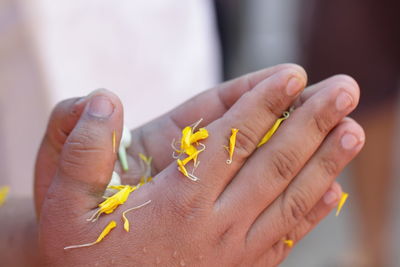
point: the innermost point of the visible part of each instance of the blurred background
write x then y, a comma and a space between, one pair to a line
155, 54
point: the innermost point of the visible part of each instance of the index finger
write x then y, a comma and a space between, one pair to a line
209, 105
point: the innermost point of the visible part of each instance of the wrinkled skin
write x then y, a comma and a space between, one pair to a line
235, 214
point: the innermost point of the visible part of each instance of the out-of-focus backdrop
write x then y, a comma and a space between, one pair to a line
155, 54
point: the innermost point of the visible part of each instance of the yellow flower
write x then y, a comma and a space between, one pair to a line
111, 203
288, 242
232, 142
343, 199
188, 145
126, 221
103, 234
273, 129
4, 190
189, 138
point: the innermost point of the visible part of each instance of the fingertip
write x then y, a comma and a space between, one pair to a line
347, 84
296, 69
332, 195
352, 135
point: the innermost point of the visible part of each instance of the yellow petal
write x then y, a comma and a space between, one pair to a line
111, 203
147, 171
343, 199
116, 187
288, 242
185, 140
142, 181
114, 141
182, 168
106, 231
192, 150
273, 129
145, 159
232, 143
126, 221
191, 157
201, 134
4, 190
103, 234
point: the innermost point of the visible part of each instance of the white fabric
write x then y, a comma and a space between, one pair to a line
153, 54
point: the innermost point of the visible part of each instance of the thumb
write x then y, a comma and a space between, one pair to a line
87, 158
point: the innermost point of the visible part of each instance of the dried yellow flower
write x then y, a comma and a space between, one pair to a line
190, 137
103, 234
273, 129
343, 199
126, 221
4, 190
111, 203
189, 140
232, 142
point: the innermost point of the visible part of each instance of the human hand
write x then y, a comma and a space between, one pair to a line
236, 214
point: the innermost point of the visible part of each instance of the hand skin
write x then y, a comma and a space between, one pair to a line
235, 215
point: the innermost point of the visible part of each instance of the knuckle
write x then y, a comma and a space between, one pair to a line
249, 81
246, 141
82, 140
322, 121
296, 207
310, 220
273, 104
78, 147
329, 166
284, 163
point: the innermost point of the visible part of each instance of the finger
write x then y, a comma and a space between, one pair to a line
325, 205
209, 105
273, 166
62, 120
87, 157
309, 185
253, 114
311, 90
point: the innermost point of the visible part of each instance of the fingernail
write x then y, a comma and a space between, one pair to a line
349, 141
294, 86
343, 101
330, 197
100, 106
